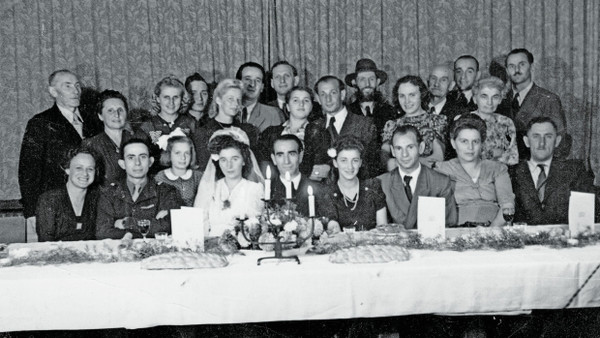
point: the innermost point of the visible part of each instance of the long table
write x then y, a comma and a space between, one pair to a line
95, 295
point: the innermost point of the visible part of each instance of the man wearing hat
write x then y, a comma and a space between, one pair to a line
370, 101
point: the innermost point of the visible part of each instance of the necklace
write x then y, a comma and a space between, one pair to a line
350, 200
226, 202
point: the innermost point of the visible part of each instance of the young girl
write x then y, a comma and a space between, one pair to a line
180, 157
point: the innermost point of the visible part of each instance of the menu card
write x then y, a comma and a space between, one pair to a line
581, 212
431, 217
187, 227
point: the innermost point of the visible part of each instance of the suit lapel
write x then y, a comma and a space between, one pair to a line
524, 178
348, 124
556, 167
60, 123
256, 117
397, 188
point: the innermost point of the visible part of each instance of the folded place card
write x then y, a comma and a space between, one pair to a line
187, 227
581, 212
431, 217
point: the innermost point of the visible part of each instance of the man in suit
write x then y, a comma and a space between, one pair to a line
330, 94
403, 185
48, 137
440, 82
542, 185
526, 100
286, 153
466, 72
259, 115
135, 197
284, 76
369, 100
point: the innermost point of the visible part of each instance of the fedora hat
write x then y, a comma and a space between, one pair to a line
366, 65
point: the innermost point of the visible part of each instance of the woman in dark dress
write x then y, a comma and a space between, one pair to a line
316, 139
69, 213
222, 114
349, 202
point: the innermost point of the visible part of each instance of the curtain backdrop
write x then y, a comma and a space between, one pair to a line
128, 45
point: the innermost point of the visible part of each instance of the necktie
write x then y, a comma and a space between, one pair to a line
515, 103
541, 182
407, 187
461, 99
136, 192
244, 115
77, 123
331, 128
368, 111
432, 110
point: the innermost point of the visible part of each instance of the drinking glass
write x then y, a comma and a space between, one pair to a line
144, 226
509, 215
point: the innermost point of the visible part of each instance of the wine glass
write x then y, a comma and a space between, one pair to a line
509, 215
144, 226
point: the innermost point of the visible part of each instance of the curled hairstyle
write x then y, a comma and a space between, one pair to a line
71, 153
349, 142
221, 89
110, 94
165, 156
221, 142
406, 129
169, 81
490, 82
188, 88
415, 81
469, 121
288, 96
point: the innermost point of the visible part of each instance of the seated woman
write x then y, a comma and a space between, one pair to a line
232, 185
482, 187
348, 201
69, 213
198, 91
315, 138
226, 105
501, 139
112, 111
179, 155
411, 98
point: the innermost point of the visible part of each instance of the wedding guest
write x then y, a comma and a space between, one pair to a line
315, 139
287, 153
136, 197
232, 185
180, 156
349, 202
543, 184
501, 140
198, 90
482, 187
222, 114
112, 111
411, 97
48, 136
68, 213
403, 185
284, 77
466, 72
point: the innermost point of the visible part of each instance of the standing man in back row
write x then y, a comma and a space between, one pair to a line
466, 72
48, 136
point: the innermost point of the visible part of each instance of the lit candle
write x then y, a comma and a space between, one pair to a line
268, 184
311, 202
288, 186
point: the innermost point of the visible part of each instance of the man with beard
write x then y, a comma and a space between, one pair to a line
526, 100
369, 100
330, 94
466, 72
259, 115
48, 137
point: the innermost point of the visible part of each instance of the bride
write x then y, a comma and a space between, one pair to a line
232, 185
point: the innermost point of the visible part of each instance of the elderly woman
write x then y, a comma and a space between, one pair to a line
348, 201
225, 107
112, 111
299, 104
501, 140
197, 89
411, 98
482, 187
69, 213
232, 186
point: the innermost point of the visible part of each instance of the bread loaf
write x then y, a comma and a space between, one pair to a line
370, 254
184, 260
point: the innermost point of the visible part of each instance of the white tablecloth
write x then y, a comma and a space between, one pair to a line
90, 296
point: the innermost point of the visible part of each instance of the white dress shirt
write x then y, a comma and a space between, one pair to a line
340, 117
414, 175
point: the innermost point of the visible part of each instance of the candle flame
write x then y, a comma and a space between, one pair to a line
310, 191
268, 172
